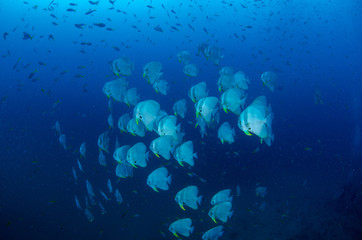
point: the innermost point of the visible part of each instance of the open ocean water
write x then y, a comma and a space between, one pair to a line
56, 58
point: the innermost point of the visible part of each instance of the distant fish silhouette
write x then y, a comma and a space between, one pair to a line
158, 28
27, 36
99, 24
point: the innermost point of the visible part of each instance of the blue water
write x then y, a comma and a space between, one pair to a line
312, 170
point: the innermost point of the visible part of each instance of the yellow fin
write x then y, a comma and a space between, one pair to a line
248, 133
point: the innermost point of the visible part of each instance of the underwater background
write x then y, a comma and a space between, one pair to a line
52, 70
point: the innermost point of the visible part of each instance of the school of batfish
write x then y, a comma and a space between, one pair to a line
148, 116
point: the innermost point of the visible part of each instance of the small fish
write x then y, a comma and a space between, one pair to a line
238, 190
63, 141
51, 37
102, 159
175, 28
64, 72
182, 227
103, 210
31, 75
77, 202
213, 233
74, 175
89, 188
83, 150
71, 10
53, 16
109, 185
158, 28
159, 179
86, 43
94, 2
149, 6
80, 25
104, 195
222, 196
16, 64
5, 35
89, 215
90, 11
57, 127
118, 196
221, 211
188, 196
73, 4
99, 24
261, 191
27, 36
80, 165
